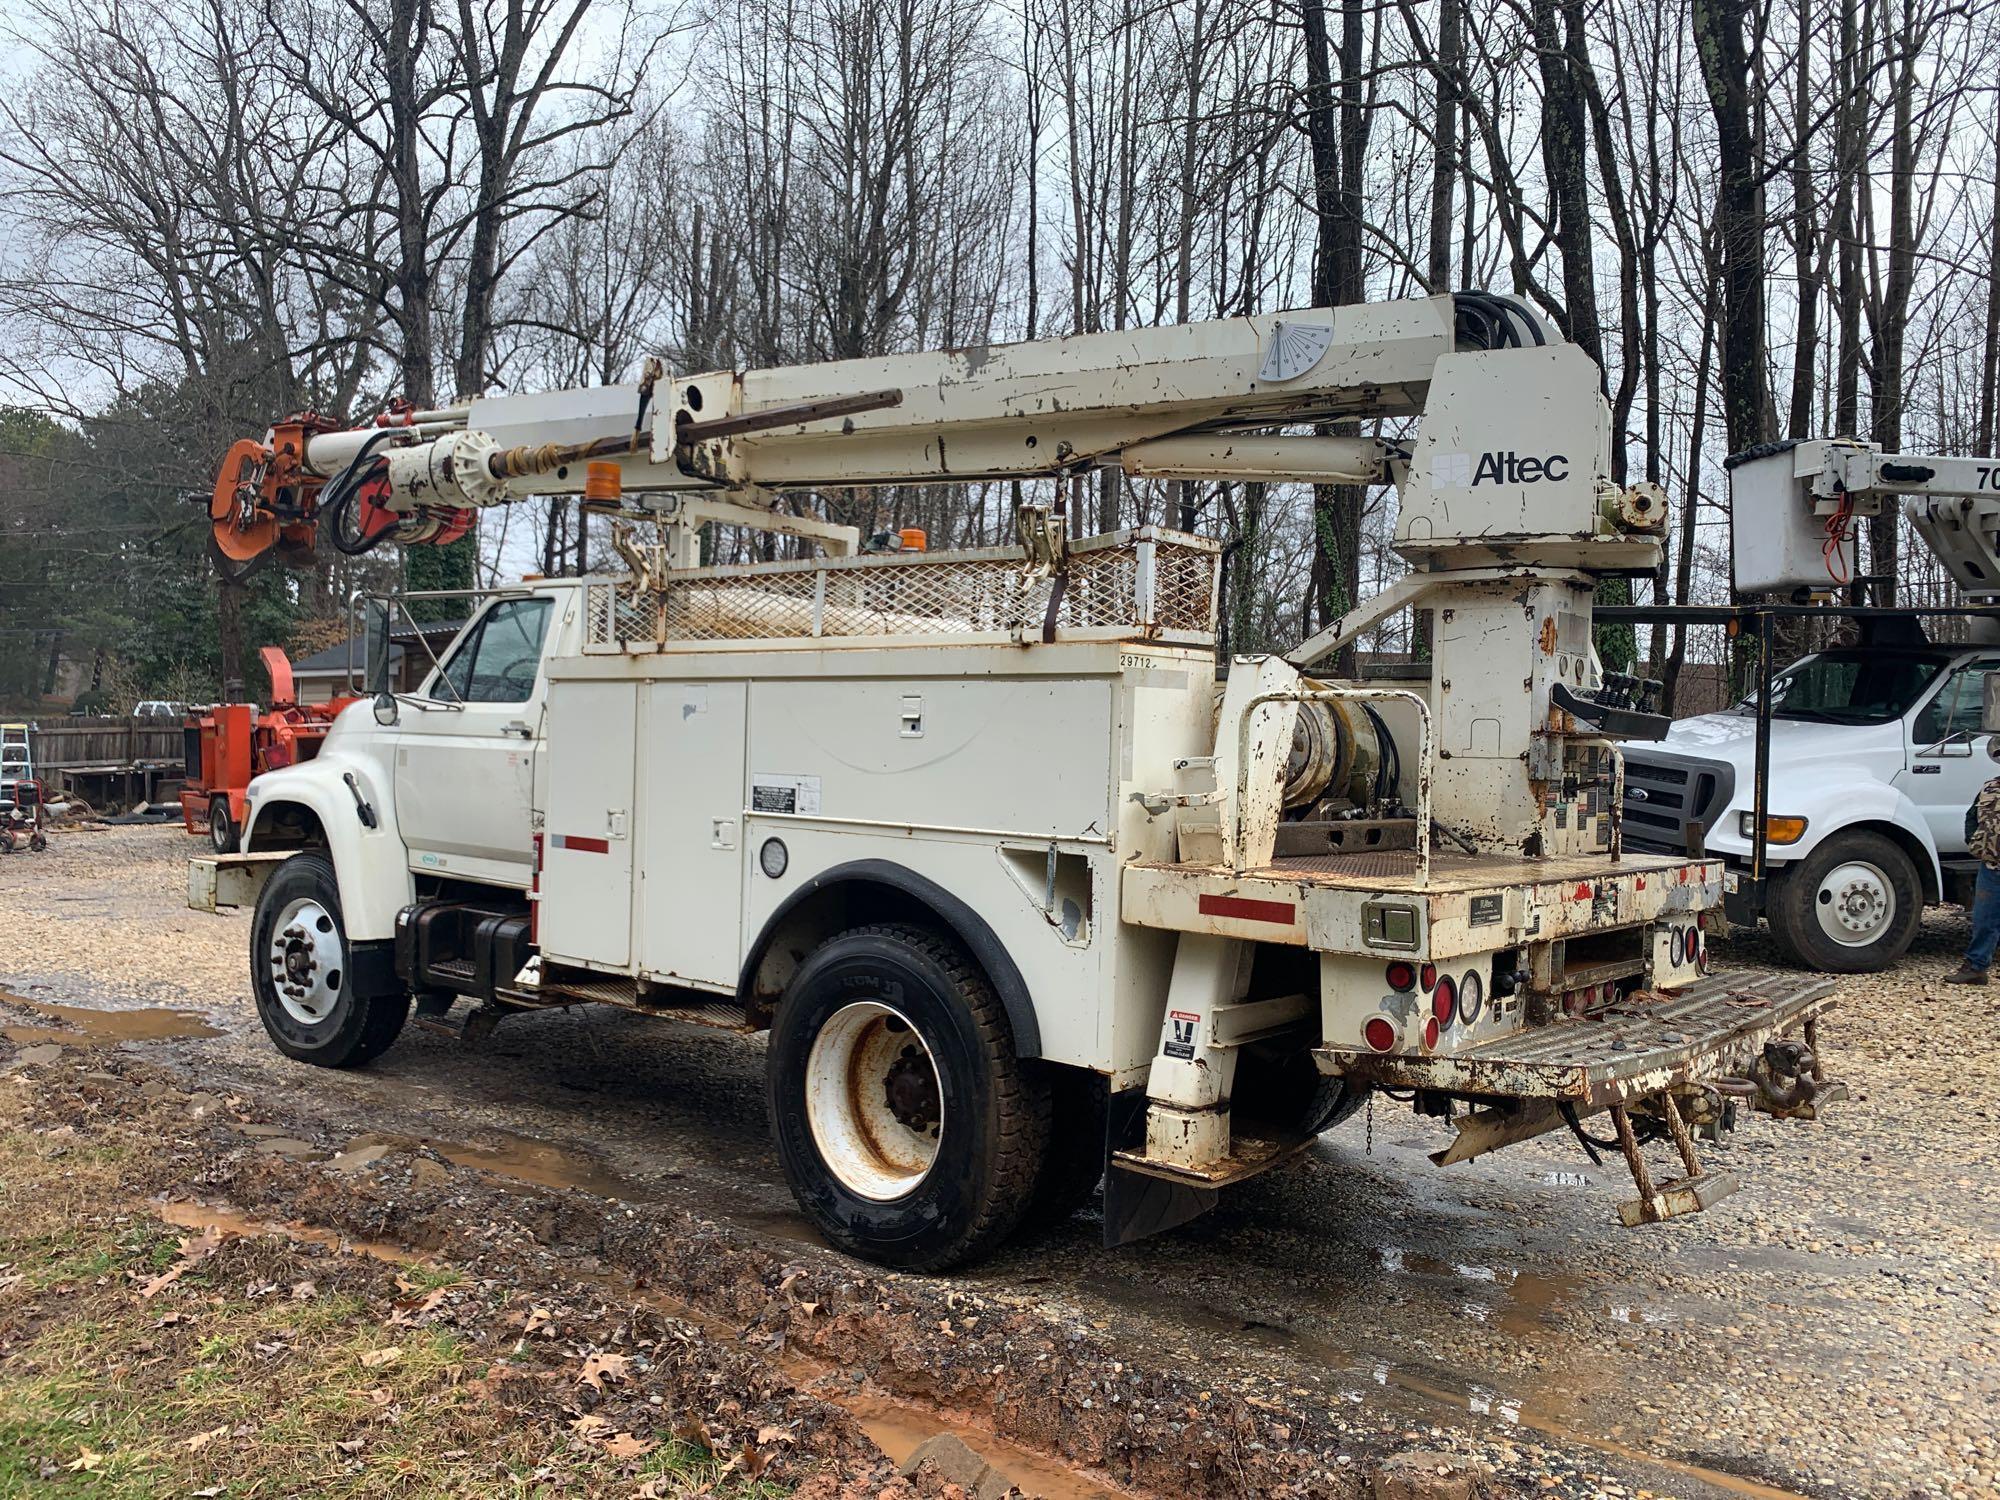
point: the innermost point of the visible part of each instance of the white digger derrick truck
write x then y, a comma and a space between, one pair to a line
1026, 893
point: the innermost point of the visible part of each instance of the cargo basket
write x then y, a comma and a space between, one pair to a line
1143, 584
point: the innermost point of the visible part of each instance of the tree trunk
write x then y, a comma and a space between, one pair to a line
1739, 219
1444, 147
1989, 377
1887, 398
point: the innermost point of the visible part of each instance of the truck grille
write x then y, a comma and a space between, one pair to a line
1665, 792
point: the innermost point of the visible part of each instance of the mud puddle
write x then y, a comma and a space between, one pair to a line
83, 1026
517, 1157
900, 1430
1529, 1303
203, 1217
1529, 1300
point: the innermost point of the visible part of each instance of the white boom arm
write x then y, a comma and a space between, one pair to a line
1201, 400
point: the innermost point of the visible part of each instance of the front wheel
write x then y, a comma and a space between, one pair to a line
302, 972
1849, 907
909, 1131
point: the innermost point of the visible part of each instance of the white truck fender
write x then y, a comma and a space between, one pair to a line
1830, 805
371, 864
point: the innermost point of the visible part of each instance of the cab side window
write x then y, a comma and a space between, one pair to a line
1955, 711
498, 659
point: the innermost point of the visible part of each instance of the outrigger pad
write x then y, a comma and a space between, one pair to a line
1688, 1195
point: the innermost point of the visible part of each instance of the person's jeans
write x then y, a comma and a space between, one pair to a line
1985, 919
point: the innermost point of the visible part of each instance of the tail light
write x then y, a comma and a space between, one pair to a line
1431, 1032
1471, 996
1379, 1033
1401, 976
1430, 976
1444, 1003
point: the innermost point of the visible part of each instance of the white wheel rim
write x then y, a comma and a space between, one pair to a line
1855, 904
873, 1101
308, 964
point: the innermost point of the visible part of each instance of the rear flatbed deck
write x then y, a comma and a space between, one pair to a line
1715, 1028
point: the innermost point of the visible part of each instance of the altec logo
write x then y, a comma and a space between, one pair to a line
1510, 468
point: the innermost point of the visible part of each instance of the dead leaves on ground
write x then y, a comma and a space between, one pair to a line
193, 1252
599, 1367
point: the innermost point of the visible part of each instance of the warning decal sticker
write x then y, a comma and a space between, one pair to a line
772, 793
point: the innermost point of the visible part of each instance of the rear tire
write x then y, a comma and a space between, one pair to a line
1851, 906
1279, 1084
222, 830
303, 975
1073, 1166
909, 1131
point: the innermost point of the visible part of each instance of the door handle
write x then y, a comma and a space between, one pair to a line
518, 726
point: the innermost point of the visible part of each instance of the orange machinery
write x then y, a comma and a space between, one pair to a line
232, 742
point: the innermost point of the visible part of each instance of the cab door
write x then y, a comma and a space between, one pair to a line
466, 748
1948, 758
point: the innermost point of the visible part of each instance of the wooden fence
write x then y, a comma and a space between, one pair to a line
110, 761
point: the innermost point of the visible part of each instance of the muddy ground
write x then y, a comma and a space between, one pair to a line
1830, 1330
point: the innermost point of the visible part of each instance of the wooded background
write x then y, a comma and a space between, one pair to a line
1764, 219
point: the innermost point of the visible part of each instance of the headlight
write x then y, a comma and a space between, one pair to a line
1777, 830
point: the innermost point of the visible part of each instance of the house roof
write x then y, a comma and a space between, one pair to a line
333, 660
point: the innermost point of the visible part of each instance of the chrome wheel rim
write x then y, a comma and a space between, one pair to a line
308, 961
873, 1101
1855, 904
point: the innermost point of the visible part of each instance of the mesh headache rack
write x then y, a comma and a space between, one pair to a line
1144, 584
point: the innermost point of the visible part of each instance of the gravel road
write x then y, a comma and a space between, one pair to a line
1829, 1330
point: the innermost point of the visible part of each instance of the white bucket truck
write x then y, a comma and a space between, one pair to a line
1025, 895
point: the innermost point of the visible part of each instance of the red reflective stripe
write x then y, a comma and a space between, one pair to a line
1280, 912
583, 845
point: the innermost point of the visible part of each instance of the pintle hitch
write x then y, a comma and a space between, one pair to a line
1787, 1081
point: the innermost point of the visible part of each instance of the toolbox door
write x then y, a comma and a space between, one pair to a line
586, 881
691, 878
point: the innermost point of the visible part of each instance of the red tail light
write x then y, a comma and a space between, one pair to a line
1444, 1002
1379, 1033
1430, 976
1431, 1032
1401, 976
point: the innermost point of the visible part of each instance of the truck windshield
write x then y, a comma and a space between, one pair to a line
1850, 687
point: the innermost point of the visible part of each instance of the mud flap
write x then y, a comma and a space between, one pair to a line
1138, 1204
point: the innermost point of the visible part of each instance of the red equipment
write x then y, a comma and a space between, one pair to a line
232, 742
24, 819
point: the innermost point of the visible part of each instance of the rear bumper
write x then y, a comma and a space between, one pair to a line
1639, 1047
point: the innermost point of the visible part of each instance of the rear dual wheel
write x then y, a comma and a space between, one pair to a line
908, 1129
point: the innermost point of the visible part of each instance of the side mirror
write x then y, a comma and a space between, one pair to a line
375, 647
1989, 707
387, 710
